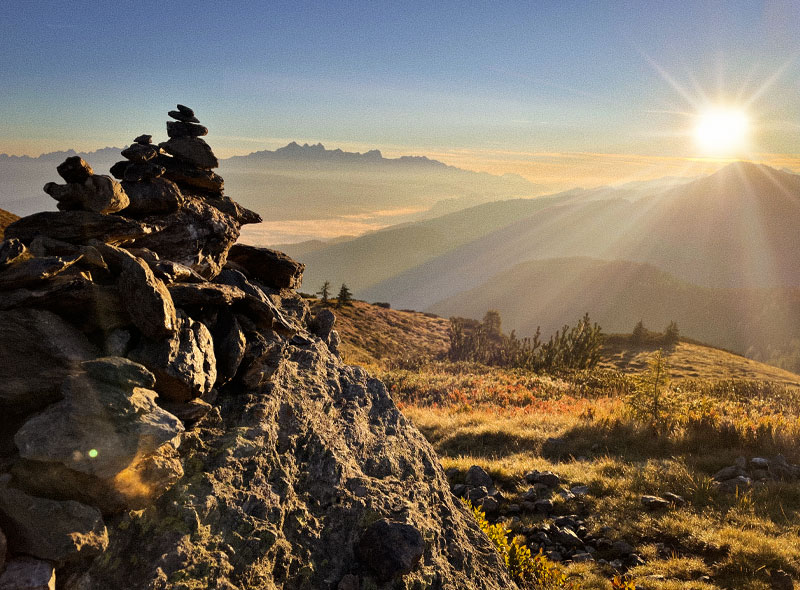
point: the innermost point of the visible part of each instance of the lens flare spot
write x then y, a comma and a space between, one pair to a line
93, 453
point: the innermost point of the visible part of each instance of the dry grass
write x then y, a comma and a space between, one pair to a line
580, 427
6, 218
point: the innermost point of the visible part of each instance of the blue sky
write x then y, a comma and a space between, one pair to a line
459, 79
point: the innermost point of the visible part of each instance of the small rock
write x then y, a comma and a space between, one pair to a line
530, 495
12, 250
554, 556
27, 573
184, 364
183, 117
675, 499
759, 462
580, 490
119, 372
489, 504
616, 564
734, 485
582, 557
547, 478
476, 494
565, 537
729, 472
655, 503
621, 548
144, 139
459, 490
74, 170
780, 580
477, 476
138, 152
527, 506
543, 506
566, 495
390, 549
157, 195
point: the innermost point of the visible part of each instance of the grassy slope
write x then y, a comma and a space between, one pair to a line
6, 218
372, 334
510, 422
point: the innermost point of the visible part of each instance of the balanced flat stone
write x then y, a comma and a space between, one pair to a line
144, 139
181, 129
138, 152
33, 271
192, 150
183, 117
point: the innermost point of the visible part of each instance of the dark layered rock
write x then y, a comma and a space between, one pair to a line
50, 529
101, 194
157, 195
229, 345
33, 271
146, 298
270, 267
28, 573
39, 349
184, 364
198, 236
77, 227
85, 304
204, 294
139, 152
192, 178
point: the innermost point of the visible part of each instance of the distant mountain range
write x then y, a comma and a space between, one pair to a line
302, 182
718, 255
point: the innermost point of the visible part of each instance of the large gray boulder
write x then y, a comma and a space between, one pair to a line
39, 349
99, 428
293, 474
192, 150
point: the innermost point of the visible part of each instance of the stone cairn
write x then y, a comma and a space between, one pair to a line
122, 315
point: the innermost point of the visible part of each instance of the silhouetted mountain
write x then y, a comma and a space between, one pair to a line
312, 182
303, 182
554, 292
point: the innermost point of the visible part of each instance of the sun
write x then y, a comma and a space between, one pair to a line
722, 131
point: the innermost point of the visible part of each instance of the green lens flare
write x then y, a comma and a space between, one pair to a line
93, 453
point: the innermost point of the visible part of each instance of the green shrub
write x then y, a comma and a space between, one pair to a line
534, 572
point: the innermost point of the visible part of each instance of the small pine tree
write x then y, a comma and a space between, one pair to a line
325, 291
671, 334
345, 297
639, 334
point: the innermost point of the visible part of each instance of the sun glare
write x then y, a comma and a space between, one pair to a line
722, 131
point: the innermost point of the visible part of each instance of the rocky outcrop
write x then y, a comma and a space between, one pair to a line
173, 417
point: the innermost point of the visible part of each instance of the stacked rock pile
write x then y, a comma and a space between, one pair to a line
121, 317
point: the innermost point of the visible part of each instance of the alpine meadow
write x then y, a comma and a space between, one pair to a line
411, 296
